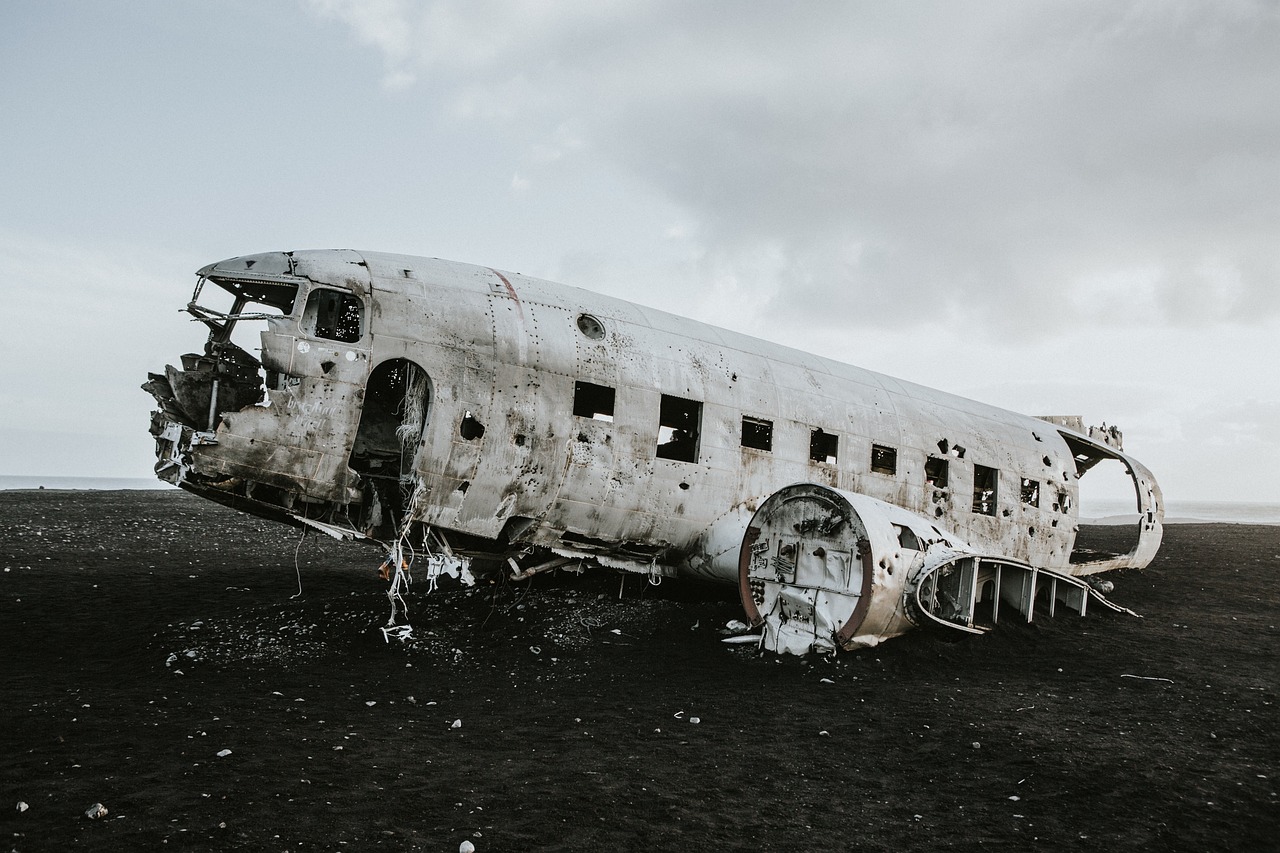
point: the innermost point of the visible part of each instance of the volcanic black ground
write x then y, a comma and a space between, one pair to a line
144, 634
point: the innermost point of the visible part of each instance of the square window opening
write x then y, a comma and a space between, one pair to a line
1030, 492
679, 427
334, 316
824, 447
593, 401
757, 434
935, 472
985, 484
884, 460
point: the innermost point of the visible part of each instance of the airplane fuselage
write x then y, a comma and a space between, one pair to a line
518, 417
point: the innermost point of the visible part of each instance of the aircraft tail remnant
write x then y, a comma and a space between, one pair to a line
522, 426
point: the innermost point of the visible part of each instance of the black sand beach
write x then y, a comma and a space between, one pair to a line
144, 633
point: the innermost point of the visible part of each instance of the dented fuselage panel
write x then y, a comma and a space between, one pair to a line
517, 419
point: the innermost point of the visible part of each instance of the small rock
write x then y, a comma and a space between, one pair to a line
22, 807
695, 719
976, 745
371, 703
1015, 798
466, 847
96, 811
824, 733
457, 724
223, 753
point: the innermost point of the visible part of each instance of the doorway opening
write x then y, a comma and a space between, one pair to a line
397, 408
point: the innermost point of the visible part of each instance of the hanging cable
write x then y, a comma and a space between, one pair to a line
297, 568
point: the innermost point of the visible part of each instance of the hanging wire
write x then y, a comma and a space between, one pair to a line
296, 567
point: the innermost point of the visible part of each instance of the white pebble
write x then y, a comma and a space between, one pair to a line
466, 847
457, 724
223, 753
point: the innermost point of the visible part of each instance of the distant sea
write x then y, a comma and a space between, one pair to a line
1186, 512
107, 483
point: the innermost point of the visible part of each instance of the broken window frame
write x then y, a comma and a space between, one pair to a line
593, 401
884, 460
986, 489
824, 447
1030, 492
757, 433
281, 297
333, 322
679, 429
937, 472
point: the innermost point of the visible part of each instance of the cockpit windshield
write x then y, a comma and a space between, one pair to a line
221, 307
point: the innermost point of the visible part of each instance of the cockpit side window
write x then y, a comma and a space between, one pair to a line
334, 315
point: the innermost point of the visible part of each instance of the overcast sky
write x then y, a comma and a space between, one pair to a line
1055, 207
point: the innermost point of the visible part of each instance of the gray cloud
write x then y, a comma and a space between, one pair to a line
1078, 160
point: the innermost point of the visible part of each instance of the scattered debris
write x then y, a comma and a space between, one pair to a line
399, 632
743, 638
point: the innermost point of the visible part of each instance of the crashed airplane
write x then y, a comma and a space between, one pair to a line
523, 425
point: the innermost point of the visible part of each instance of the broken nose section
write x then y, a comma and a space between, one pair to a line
269, 436
225, 378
